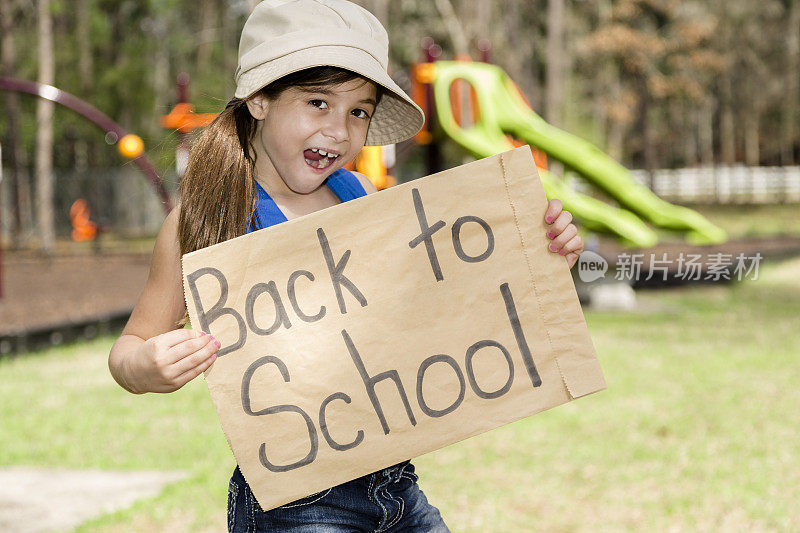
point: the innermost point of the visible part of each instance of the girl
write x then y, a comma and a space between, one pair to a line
312, 89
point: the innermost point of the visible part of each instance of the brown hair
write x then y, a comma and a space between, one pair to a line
217, 199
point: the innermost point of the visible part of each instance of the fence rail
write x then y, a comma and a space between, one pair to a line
716, 185
726, 185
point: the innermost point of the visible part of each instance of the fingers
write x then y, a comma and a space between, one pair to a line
572, 250
558, 242
562, 233
192, 373
171, 338
573, 246
190, 346
198, 351
560, 224
554, 207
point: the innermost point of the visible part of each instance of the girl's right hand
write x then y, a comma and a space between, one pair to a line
167, 362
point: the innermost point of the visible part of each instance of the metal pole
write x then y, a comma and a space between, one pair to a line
182, 150
432, 52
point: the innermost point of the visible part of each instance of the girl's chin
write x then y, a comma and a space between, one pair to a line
307, 184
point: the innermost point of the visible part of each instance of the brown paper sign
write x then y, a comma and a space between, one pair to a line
389, 326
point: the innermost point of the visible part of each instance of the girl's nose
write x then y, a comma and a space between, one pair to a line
335, 127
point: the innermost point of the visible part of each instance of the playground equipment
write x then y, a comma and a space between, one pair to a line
83, 229
498, 108
128, 144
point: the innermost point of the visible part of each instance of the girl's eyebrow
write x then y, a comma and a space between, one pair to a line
328, 92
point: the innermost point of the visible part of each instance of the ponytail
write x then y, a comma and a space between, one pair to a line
216, 192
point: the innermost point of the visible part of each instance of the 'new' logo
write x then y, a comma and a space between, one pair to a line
591, 266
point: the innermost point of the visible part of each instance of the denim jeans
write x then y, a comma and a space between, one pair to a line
385, 501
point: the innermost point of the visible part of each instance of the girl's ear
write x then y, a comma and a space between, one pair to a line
257, 105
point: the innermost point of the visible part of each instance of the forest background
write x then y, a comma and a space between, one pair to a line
654, 83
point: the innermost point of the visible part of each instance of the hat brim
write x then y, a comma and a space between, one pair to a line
396, 118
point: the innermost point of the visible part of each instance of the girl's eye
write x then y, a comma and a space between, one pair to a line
317, 101
360, 113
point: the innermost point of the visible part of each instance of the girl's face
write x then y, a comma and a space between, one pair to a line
302, 137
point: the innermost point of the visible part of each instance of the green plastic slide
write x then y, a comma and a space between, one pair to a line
503, 110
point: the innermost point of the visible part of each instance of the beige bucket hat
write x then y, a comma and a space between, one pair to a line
284, 36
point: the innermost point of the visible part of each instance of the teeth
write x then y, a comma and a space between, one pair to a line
323, 152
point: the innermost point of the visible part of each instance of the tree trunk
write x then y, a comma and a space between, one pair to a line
230, 44
603, 82
727, 126
616, 127
457, 34
85, 63
644, 124
86, 69
380, 8
555, 61
690, 135
19, 185
208, 33
705, 133
791, 116
161, 78
752, 139
44, 133
478, 20
536, 64
753, 85
521, 66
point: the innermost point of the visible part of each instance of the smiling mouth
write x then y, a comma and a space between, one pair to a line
318, 158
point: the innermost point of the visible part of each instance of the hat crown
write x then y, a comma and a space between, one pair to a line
295, 24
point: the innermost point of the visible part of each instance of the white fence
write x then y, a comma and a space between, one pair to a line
716, 185
726, 185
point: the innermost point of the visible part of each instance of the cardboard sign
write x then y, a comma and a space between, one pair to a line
389, 326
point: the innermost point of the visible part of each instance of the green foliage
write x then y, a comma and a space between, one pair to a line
678, 55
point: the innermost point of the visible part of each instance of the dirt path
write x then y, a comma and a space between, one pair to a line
39, 293
47, 500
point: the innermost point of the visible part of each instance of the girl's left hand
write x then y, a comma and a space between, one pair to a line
563, 234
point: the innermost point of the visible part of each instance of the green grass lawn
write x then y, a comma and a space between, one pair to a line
754, 221
698, 429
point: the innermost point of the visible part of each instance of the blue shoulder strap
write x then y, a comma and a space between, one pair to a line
267, 212
343, 183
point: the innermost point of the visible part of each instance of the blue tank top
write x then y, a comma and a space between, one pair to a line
343, 183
